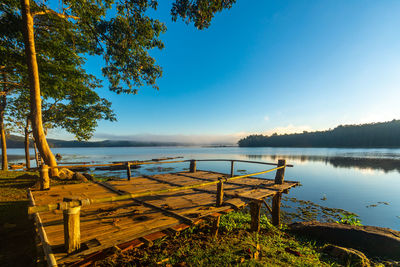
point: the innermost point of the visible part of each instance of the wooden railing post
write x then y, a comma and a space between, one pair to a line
72, 231
280, 174
44, 178
220, 193
232, 168
128, 170
192, 166
255, 212
276, 209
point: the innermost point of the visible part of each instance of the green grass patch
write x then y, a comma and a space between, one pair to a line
16, 230
235, 245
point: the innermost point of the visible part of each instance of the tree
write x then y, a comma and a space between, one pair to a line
3, 103
123, 39
69, 97
11, 66
380, 134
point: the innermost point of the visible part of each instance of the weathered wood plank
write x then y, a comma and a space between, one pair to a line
122, 223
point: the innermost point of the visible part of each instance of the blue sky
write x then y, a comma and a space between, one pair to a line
264, 67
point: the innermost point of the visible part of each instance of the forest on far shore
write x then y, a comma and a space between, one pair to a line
380, 134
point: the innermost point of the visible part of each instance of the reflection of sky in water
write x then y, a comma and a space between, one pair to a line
351, 179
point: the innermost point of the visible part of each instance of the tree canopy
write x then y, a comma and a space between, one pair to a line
69, 93
120, 31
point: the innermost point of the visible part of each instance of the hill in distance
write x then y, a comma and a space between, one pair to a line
371, 135
14, 141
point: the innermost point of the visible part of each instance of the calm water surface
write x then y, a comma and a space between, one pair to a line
350, 179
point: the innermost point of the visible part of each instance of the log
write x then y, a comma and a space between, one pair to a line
232, 168
128, 170
220, 193
72, 231
44, 178
171, 231
280, 173
276, 209
215, 227
255, 212
192, 166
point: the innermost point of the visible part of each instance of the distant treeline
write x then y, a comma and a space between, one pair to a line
14, 141
381, 134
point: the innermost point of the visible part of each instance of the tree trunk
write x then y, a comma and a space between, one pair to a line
35, 99
36, 154
26, 143
4, 159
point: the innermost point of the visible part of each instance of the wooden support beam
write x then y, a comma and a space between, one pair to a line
280, 173
232, 168
44, 178
220, 193
255, 212
215, 227
72, 231
276, 208
267, 206
128, 170
192, 166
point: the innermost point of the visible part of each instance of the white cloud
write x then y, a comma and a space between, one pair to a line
266, 118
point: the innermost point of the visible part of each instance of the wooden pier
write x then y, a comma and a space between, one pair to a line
82, 223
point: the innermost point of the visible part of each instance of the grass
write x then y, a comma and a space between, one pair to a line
235, 245
16, 230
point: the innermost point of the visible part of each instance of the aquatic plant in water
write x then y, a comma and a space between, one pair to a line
349, 219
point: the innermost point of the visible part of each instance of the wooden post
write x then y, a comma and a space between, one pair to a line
192, 166
276, 208
255, 211
216, 226
280, 174
128, 170
232, 168
44, 178
72, 231
220, 193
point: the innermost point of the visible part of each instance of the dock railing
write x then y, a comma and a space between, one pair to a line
71, 207
45, 169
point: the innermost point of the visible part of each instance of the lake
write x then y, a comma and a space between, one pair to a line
363, 181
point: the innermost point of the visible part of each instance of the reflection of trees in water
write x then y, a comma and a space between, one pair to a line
385, 164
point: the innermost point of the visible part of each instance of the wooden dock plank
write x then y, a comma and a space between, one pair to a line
121, 223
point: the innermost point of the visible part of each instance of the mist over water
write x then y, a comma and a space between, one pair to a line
363, 181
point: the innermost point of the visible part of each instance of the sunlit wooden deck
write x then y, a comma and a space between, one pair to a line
130, 223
